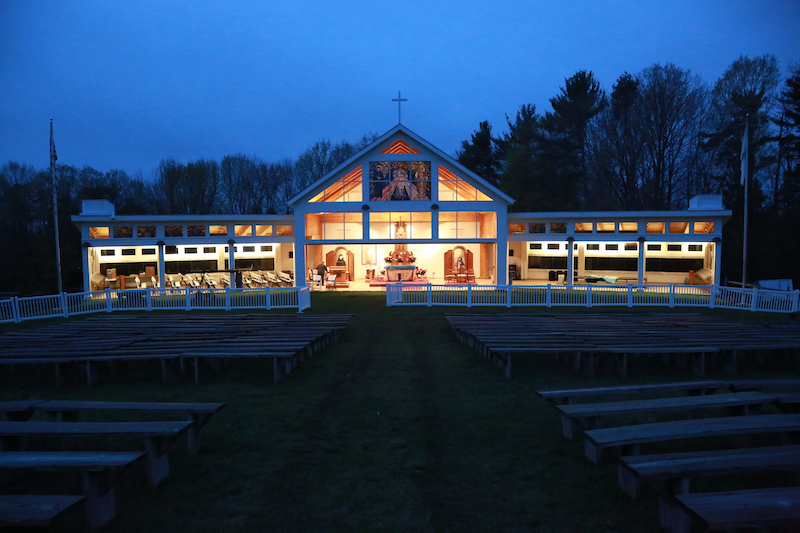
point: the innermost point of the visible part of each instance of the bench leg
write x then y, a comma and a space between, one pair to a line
193, 433
568, 428
593, 452
671, 517
622, 365
699, 364
629, 482
61, 372
157, 460
91, 373
576, 362
196, 370
100, 499
729, 359
508, 365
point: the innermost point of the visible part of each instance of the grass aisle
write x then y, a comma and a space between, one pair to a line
397, 427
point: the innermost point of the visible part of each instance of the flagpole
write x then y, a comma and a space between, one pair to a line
53, 158
745, 156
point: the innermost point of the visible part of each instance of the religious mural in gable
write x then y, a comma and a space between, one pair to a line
399, 180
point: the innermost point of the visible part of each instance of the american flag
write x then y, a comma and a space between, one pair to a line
53, 156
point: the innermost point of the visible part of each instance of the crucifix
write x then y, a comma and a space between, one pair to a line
399, 103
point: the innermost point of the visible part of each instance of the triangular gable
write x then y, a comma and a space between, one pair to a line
345, 189
399, 147
451, 164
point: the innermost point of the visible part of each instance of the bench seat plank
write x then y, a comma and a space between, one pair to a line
33, 510
160, 407
744, 509
587, 414
596, 440
568, 394
52, 461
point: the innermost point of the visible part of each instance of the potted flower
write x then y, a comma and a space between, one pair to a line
388, 258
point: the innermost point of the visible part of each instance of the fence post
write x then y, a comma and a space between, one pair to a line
588, 296
712, 300
149, 297
228, 298
108, 300
672, 295
796, 302
188, 300
469, 295
549, 297
430, 295
754, 301
15, 310
630, 295
269, 300
508, 295
63, 297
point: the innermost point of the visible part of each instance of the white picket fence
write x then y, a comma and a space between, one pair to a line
594, 296
148, 299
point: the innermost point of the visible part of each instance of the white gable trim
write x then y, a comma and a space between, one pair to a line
465, 173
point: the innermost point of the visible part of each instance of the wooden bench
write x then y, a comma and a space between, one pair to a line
100, 471
197, 413
90, 364
759, 384
17, 410
694, 388
158, 437
670, 473
33, 511
597, 440
587, 415
761, 509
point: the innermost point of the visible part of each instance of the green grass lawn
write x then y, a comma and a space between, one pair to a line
397, 427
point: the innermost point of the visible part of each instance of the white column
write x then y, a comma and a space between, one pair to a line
502, 246
232, 263
570, 261
87, 275
717, 261
162, 275
641, 267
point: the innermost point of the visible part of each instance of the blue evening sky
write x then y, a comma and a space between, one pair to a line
130, 83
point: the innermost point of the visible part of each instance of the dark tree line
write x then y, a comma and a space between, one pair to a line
237, 184
655, 140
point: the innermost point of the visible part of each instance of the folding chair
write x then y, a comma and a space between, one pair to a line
331, 282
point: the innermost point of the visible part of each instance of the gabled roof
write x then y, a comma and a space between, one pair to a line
465, 173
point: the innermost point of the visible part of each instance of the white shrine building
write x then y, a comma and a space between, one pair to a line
403, 197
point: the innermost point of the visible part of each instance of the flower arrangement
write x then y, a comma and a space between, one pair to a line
421, 271
411, 258
383, 272
388, 258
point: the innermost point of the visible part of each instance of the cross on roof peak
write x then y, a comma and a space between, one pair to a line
399, 101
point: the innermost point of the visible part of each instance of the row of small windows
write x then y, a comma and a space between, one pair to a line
630, 264
239, 230
612, 227
628, 246
187, 250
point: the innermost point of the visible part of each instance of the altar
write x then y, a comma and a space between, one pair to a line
400, 272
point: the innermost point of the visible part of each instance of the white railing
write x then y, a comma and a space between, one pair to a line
593, 296
148, 299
